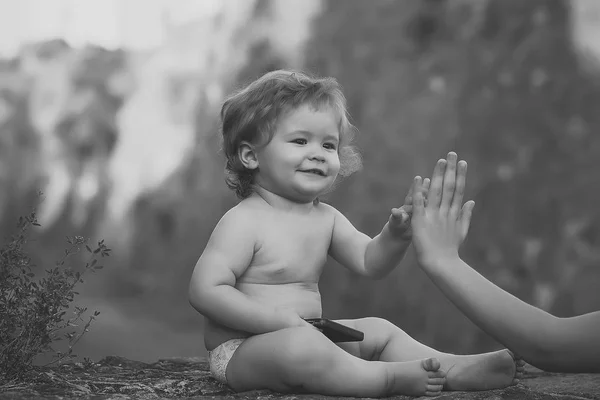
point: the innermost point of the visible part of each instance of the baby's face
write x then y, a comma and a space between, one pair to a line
301, 161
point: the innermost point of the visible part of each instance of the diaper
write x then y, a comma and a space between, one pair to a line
219, 357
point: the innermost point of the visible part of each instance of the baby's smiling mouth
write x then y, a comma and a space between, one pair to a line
313, 171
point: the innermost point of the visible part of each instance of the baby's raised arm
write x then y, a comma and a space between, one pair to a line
359, 253
212, 289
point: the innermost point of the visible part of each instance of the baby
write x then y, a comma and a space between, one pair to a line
286, 137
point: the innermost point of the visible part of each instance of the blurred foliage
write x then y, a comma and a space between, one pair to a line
33, 305
498, 81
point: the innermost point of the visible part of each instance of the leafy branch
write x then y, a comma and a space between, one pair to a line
33, 309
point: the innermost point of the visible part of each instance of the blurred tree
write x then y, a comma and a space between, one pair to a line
498, 82
495, 80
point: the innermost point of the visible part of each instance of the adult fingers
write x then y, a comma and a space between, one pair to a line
449, 183
465, 218
459, 191
434, 196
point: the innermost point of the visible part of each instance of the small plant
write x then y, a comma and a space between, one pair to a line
33, 308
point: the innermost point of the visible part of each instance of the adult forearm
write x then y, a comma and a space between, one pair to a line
228, 306
525, 329
384, 253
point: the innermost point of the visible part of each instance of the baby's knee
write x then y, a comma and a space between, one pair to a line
377, 324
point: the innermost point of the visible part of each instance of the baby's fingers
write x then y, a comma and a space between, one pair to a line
404, 209
408, 200
402, 214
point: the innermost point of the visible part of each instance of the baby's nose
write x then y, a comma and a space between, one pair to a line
317, 156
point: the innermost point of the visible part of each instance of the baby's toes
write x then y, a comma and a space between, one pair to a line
437, 380
436, 377
433, 390
520, 368
431, 364
519, 372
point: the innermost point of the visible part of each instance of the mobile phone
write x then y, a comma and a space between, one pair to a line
336, 332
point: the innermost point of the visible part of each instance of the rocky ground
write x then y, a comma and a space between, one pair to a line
119, 378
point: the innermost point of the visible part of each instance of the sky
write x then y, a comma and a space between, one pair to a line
140, 24
135, 24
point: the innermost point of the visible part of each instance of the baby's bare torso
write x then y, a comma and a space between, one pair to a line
284, 272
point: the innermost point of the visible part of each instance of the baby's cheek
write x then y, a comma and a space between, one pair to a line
334, 163
336, 168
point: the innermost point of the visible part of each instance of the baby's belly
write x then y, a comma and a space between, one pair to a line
302, 298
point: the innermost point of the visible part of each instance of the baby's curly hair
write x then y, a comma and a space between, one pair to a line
251, 114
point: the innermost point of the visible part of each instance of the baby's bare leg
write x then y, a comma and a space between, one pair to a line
304, 360
386, 342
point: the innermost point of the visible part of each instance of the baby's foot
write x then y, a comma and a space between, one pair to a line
487, 371
435, 377
417, 378
520, 367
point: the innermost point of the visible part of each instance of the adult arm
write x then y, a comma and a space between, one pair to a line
541, 339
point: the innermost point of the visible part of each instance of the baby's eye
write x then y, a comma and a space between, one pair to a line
329, 146
300, 141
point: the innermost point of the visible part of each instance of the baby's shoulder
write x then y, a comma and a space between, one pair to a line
243, 211
250, 212
326, 214
327, 209
237, 218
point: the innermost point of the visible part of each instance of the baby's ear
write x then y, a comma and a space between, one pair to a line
247, 155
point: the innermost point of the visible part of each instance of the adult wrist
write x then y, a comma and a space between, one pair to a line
438, 262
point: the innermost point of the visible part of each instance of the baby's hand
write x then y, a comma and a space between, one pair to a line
441, 225
400, 219
292, 318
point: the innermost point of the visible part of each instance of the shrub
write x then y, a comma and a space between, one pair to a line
33, 307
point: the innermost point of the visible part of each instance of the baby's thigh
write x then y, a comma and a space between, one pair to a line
377, 333
280, 360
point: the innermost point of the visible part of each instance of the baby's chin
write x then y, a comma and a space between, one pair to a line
302, 192
308, 196
293, 195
